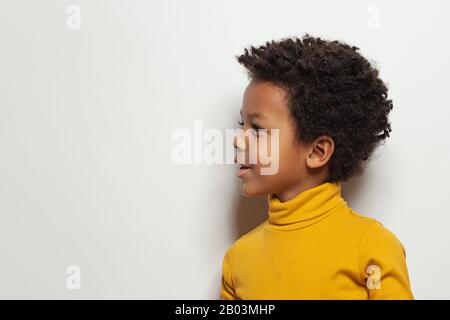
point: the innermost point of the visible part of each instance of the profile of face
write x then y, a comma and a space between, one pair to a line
298, 165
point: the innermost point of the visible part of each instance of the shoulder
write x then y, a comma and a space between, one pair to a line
382, 263
366, 222
353, 224
379, 246
378, 238
370, 233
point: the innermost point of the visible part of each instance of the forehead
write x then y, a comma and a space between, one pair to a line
264, 99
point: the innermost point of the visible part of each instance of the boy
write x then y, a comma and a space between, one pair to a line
331, 111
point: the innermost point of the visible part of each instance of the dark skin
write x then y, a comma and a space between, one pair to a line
301, 166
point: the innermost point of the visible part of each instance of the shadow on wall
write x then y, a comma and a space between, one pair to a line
248, 213
353, 188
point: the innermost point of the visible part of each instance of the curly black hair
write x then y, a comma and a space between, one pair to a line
331, 89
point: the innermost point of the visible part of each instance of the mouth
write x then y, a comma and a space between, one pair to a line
243, 169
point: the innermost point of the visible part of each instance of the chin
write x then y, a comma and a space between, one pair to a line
249, 191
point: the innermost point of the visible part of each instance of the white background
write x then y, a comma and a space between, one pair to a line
86, 118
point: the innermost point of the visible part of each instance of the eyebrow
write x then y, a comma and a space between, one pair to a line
256, 115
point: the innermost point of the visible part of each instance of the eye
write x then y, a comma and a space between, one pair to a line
256, 128
241, 123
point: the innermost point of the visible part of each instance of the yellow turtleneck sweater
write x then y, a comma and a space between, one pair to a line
315, 247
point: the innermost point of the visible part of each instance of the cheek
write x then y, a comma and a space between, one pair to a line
291, 158
282, 154
276, 160
268, 151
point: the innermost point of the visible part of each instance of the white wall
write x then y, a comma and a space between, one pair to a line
86, 118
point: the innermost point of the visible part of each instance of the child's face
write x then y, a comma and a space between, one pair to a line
264, 107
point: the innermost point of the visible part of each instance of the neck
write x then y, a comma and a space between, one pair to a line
287, 195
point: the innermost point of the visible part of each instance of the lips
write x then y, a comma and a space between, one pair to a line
242, 166
243, 170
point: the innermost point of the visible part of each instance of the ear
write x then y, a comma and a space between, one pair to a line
320, 152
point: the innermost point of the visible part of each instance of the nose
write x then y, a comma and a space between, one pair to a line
239, 141
240, 146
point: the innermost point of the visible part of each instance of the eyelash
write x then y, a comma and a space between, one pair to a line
255, 127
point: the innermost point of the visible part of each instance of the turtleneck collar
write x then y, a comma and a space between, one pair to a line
306, 208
